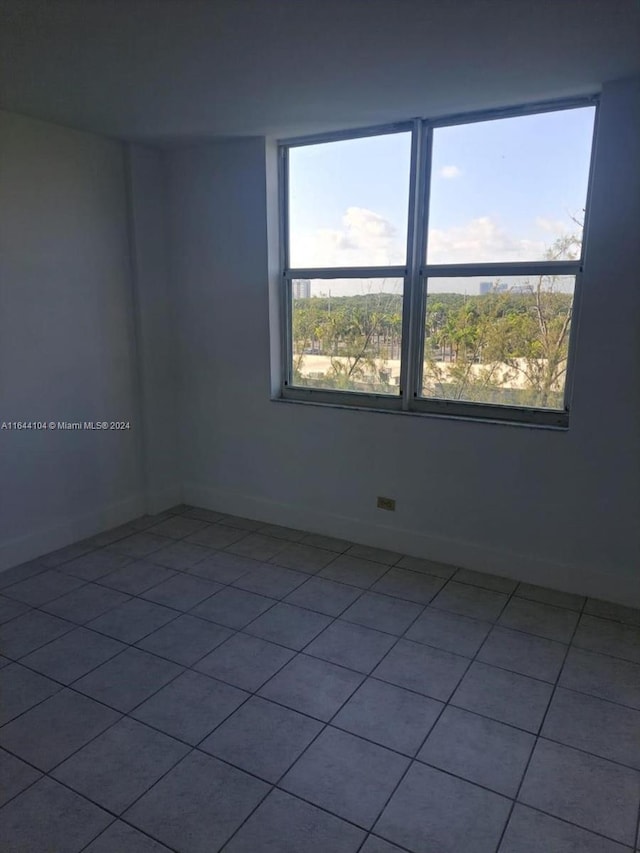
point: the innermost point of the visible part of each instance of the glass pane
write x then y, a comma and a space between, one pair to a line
349, 201
512, 189
503, 340
347, 334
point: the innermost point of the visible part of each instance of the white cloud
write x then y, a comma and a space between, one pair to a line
368, 239
450, 172
552, 226
365, 239
480, 240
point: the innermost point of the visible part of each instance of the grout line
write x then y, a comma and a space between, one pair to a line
326, 723
188, 612
624, 847
324, 727
442, 710
137, 829
95, 837
370, 834
192, 668
27, 787
540, 728
135, 645
187, 571
410, 762
273, 786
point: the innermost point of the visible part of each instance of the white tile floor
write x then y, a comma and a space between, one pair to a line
197, 682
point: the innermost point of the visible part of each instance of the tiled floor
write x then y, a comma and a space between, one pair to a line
197, 682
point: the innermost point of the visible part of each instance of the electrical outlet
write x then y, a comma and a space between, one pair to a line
386, 503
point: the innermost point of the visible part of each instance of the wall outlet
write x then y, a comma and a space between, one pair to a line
386, 503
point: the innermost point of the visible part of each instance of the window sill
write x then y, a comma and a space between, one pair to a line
440, 409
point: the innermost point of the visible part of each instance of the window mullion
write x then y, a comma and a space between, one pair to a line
409, 279
412, 341
287, 330
285, 283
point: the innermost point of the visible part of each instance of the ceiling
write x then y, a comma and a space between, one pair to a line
174, 70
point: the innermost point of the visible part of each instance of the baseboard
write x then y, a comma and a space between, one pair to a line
23, 548
622, 588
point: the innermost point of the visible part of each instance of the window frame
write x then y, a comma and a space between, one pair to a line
415, 274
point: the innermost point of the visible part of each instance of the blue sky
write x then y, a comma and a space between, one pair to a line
501, 190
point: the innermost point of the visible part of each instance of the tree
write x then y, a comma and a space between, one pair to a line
307, 324
505, 346
537, 344
508, 346
359, 329
358, 333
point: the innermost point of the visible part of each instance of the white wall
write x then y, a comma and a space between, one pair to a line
66, 337
155, 313
558, 508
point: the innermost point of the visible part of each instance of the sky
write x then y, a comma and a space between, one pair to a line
501, 190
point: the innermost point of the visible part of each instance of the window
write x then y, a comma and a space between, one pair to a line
435, 266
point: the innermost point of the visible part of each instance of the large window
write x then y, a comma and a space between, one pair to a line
435, 266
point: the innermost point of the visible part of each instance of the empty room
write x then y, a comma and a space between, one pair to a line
319, 426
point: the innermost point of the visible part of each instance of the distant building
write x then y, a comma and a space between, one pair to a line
301, 288
502, 287
493, 287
